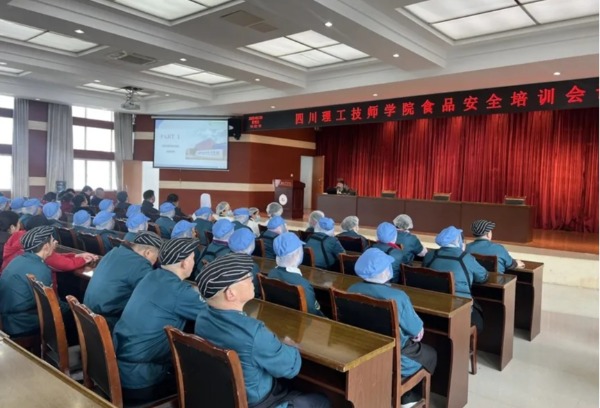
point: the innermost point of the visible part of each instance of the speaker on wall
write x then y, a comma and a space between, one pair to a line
234, 125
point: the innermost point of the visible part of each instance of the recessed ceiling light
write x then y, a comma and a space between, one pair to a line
37, 99
78, 31
2, 63
375, 94
396, 55
182, 59
167, 95
96, 80
257, 79
328, 24
272, 106
557, 73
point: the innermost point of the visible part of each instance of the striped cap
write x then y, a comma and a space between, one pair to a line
148, 238
481, 227
223, 272
35, 237
176, 250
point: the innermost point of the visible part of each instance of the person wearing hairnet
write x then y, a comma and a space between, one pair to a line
410, 243
349, 227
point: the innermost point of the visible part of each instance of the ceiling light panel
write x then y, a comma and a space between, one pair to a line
211, 3
312, 58
433, 11
344, 52
100, 87
486, 23
209, 78
11, 70
62, 42
175, 70
18, 31
278, 47
312, 39
558, 10
166, 9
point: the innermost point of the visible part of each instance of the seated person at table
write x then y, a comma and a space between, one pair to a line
9, 224
80, 203
349, 227
222, 230
241, 216
4, 203
203, 219
482, 231
31, 207
243, 241
148, 205
411, 245
227, 286
135, 224
275, 227
104, 222
133, 209
97, 197
174, 199
375, 268
342, 188
165, 222
118, 273
106, 205
82, 222
386, 241
223, 210
254, 220
122, 204
52, 212
274, 209
466, 270
159, 299
289, 251
184, 229
313, 220
16, 204
325, 246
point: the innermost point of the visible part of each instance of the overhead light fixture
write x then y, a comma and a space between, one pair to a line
37, 99
78, 31
272, 106
183, 59
557, 73
328, 24
2, 63
396, 55
96, 80
375, 94
257, 79
167, 95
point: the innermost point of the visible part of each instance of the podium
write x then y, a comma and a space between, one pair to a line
290, 194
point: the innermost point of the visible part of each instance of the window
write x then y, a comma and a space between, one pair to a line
6, 131
97, 173
7, 102
6, 171
91, 138
91, 113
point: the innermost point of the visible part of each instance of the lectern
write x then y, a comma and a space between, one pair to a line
290, 194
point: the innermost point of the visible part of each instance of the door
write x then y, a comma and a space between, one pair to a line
318, 179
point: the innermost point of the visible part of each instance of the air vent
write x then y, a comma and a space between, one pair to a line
132, 58
263, 27
242, 18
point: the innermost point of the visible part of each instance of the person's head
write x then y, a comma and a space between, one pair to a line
122, 196
326, 226
241, 215
482, 229
87, 190
226, 283
403, 222
4, 203
137, 222
222, 230
49, 197
387, 233
99, 192
350, 223
52, 210
277, 225
223, 209
177, 256
132, 210
106, 205
450, 237
31, 206
242, 241
167, 209
274, 209
147, 244
375, 266
254, 214
340, 184
183, 229
39, 240
66, 198
173, 198
82, 219
17, 204
80, 200
104, 220
149, 195
289, 250
314, 217
9, 222
71, 191
203, 213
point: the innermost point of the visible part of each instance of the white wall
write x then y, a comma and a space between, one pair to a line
306, 174
150, 179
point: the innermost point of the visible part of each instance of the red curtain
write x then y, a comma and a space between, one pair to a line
550, 157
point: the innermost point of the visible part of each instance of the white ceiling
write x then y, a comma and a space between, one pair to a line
205, 59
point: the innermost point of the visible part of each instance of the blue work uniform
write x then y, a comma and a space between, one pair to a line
326, 250
237, 225
400, 257
141, 344
294, 277
201, 227
465, 268
166, 225
215, 250
411, 245
24, 219
354, 234
268, 237
130, 236
486, 247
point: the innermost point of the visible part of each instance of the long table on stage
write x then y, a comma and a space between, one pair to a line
513, 222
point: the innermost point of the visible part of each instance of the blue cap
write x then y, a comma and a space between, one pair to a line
166, 207
203, 211
326, 224
105, 204
136, 220
102, 217
386, 232
81, 217
448, 236
17, 203
50, 209
32, 202
133, 209
181, 227
286, 243
3, 200
241, 211
372, 262
275, 222
241, 239
222, 228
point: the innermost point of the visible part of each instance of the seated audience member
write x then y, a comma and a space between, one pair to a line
174, 199
9, 224
203, 219
104, 222
16, 205
386, 242
254, 220
106, 205
53, 213
135, 224
205, 200
223, 210
87, 191
313, 220
243, 242
410, 243
375, 268
274, 209
466, 270
148, 205
30, 208
241, 216
161, 298
49, 197
184, 229
4, 204
122, 204
289, 254
342, 188
325, 246
97, 198
226, 284
165, 221
349, 227
82, 222
275, 227
133, 209
80, 203
118, 273
66, 204
222, 230
482, 231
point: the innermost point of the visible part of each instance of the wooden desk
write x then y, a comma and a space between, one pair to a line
341, 360
27, 381
73, 283
338, 208
447, 317
528, 302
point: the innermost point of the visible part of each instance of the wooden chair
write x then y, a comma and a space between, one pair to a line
259, 248
303, 235
347, 263
262, 228
114, 241
54, 346
152, 227
429, 279
209, 236
281, 293
207, 376
489, 262
91, 243
309, 257
29, 343
100, 369
120, 225
380, 316
353, 244
67, 237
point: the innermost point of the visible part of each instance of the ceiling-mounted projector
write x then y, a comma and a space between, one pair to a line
131, 98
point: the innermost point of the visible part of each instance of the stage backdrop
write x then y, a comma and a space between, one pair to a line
551, 157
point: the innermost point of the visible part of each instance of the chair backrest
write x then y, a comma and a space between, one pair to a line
388, 193
262, 228
304, 235
309, 257
91, 243
514, 200
207, 376
209, 236
353, 244
152, 227
259, 248
347, 263
489, 262
429, 279
282, 293
441, 196
67, 237
55, 348
120, 225
100, 370
114, 241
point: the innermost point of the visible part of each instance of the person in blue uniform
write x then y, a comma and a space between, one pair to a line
289, 251
313, 220
375, 268
243, 241
104, 222
184, 229
254, 220
82, 222
274, 209
386, 241
135, 224
161, 298
266, 361
16, 204
31, 207
165, 222
203, 219
4, 203
411, 245
106, 205
325, 246
275, 227
222, 230
118, 273
241, 216
349, 228
482, 231
223, 210
452, 258
133, 209
49, 216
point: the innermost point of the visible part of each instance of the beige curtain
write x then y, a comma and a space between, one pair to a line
123, 143
20, 149
59, 154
